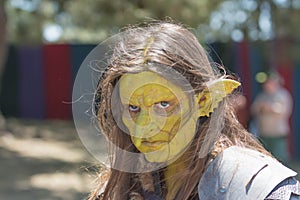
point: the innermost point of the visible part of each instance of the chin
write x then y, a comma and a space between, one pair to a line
161, 156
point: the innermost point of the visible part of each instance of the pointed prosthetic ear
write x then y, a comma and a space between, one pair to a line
209, 99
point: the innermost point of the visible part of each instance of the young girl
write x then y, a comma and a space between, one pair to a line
165, 110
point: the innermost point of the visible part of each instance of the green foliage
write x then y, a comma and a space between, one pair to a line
91, 21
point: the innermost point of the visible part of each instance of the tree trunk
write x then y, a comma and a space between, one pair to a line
3, 47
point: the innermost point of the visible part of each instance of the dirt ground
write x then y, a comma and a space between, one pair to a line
44, 160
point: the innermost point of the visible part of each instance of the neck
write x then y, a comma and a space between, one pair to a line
173, 183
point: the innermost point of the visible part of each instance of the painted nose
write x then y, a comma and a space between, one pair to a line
143, 118
142, 129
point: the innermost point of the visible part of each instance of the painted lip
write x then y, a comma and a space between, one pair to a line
153, 145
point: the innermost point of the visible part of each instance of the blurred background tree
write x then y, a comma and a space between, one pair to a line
3, 22
90, 21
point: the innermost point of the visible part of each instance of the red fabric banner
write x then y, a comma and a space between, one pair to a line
58, 73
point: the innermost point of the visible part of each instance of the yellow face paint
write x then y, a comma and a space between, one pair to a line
157, 114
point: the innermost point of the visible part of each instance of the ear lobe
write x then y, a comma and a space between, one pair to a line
215, 92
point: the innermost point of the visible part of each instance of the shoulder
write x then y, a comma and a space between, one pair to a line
284, 93
289, 189
242, 173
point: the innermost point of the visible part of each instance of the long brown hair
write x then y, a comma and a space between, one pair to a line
157, 45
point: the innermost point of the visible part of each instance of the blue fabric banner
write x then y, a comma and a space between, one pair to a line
31, 83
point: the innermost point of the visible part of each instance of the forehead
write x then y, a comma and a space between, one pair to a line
132, 85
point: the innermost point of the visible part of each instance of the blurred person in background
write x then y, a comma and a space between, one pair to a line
271, 111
